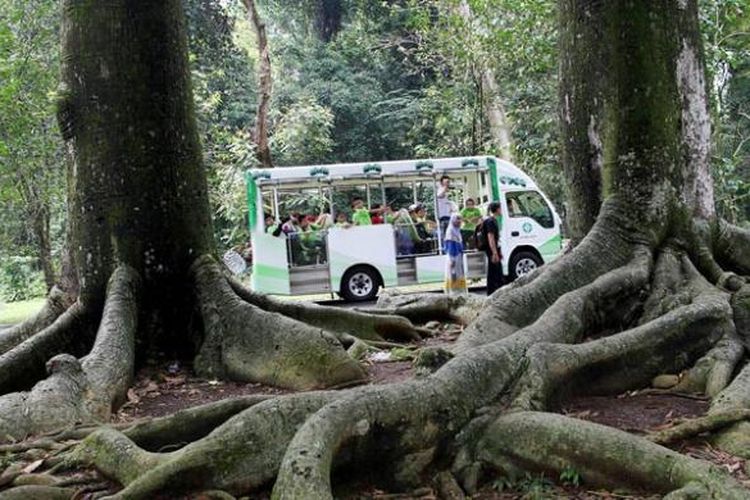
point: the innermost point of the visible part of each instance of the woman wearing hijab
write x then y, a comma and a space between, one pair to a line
455, 278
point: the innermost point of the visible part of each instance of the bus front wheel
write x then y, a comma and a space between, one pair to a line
359, 284
523, 263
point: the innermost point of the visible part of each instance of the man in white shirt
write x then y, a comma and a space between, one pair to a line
444, 205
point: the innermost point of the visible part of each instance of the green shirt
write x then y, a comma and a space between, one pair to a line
361, 217
470, 213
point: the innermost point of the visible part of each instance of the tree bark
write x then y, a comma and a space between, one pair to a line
265, 83
328, 16
139, 193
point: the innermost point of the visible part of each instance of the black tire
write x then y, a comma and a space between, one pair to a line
359, 284
523, 262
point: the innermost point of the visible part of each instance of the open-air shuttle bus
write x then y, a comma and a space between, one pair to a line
356, 261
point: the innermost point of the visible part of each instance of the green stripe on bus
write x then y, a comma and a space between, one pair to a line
264, 271
252, 196
495, 188
552, 246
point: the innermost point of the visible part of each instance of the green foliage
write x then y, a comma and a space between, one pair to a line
32, 173
570, 476
530, 486
725, 25
304, 133
20, 279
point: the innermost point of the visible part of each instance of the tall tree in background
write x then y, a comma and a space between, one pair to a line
500, 127
328, 18
265, 84
651, 289
31, 160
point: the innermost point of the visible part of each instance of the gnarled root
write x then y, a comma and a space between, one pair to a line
236, 457
56, 304
700, 425
70, 333
606, 366
600, 455
422, 308
605, 248
731, 244
87, 390
430, 408
736, 438
362, 325
243, 342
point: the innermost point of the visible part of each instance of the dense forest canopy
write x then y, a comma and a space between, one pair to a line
353, 81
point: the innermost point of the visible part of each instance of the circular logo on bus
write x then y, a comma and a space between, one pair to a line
527, 227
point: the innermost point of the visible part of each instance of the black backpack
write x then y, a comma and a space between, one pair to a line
480, 236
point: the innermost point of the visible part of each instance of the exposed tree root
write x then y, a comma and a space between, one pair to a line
240, 455
444, 401
600, 455
731, 245
87, 390
155, 434
243, 342
700, 425
70, 333
608, 245
188, 425
362, 325
626, 360
39, 492
56, 304
426, 307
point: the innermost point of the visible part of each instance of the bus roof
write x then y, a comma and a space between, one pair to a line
374, 170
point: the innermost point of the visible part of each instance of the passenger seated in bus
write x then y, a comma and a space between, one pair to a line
342, 220
360, 214
471, 216
388, 214
405, 233
291, 225
324, 221
422, 226
270, 223
307, 243
377, 214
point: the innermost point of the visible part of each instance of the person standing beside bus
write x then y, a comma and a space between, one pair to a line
491, 233
444, 205
455, 277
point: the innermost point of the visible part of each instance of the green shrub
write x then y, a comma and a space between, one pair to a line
20, 279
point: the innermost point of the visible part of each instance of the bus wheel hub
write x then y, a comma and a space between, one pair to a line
360, 284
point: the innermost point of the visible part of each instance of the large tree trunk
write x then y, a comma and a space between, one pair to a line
139, 195
644, 293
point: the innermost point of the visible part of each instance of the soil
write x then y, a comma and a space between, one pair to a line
637, 411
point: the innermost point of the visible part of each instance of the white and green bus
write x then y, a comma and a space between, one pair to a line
355, 261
